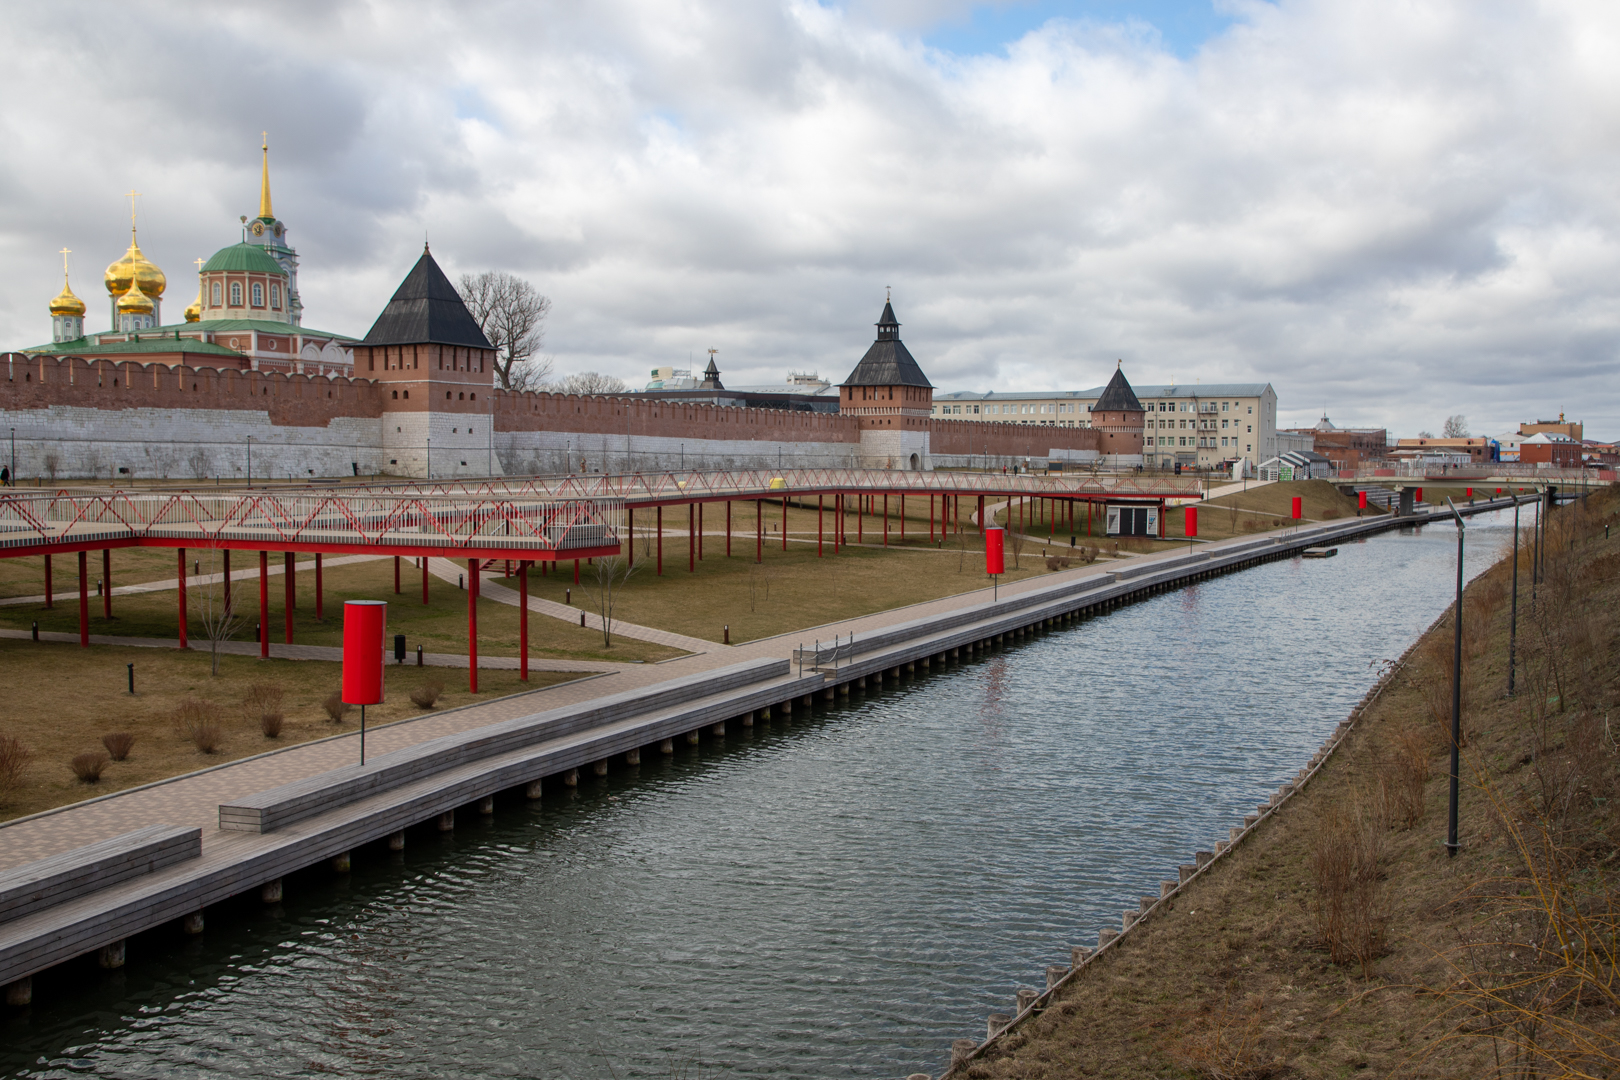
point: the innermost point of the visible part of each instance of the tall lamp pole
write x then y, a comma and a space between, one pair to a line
1513, 616
1456, 689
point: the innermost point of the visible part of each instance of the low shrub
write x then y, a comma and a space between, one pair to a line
87, 766
118, 744
428, 694
262, 702
336, 708
14, 759
202, 722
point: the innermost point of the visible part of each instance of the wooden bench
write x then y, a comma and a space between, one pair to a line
280, 806
38, 885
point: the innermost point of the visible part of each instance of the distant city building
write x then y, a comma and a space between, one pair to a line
1471, 450
1347, 448
1550, 448
1200, 426
1569, 429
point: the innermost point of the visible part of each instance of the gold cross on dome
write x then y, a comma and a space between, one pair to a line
199, 263
65, 252
132, 195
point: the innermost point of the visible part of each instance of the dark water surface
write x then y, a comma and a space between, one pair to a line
838, 896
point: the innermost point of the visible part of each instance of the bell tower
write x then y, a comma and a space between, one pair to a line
893, 399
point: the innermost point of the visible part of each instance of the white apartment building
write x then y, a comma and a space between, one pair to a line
1201, 425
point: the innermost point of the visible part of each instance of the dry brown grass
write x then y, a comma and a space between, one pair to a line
201, 722
336, 708
14, 759
55, 726
1503, 961
263, 704
427, 695
118, 744
88, 766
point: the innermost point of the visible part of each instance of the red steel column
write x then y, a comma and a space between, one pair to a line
700, 531
396, 575
287, 592
230, 601
930, 519
981, 512
860, 519
48, 597
660, 541
885, 519
106, 583
759, 530
576, 571
523, 616
84, 598
320, 610
902, 519
630, 552
819, 500
691, 537
784, 523
472, 625
728, 528
183, 643
264, 601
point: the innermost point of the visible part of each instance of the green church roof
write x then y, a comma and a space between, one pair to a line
147, 344
243, 257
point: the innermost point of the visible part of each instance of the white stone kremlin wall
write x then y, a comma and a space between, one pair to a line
530, 452
64, 442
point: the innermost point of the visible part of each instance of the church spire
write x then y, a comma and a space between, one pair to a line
264, 182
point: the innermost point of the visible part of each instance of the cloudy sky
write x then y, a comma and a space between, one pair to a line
1393, 209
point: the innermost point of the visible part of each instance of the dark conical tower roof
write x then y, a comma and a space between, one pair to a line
426, 309
888, 362
1118, 396
711, 377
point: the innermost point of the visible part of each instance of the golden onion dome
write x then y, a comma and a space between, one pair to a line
134, 302
194, 310
66, 303
134, 266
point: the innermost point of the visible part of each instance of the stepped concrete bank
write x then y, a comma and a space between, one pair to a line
81, 899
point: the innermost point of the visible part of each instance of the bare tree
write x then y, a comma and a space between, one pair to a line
512, 314
610, 575
1456, 427
1425, 435
593, 382
219, 613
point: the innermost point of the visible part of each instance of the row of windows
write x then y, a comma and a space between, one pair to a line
1193, 440
1160, 424
217, 292
1069, 407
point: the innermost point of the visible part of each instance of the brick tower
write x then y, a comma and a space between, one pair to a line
892, 397
1119, 416
436, 373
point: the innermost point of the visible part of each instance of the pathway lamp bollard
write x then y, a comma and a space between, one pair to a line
1456, 688
131, 677
364, 624
36, 629
995, 562
419, 656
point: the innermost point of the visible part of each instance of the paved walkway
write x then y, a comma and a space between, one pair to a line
446, 570
333, 653
193, 799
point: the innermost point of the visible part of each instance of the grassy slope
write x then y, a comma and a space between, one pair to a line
1235, 976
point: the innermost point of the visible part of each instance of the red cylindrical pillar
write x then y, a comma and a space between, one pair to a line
1298, 507
106, 580
630, 524
472, 624
288, 593
995, 559
523, 616
264, 600
759, 530
320, 596
230, 601
424, 579
1417, 495
1191, 526
660, 569
700, 531
183, 642
784, 523
84, 598
691, 538
728, 528
365, 625
1470, 494
396, 575
1361, 501
49, 599
885, 519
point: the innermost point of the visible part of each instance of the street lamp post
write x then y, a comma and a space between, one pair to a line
1513, 615
1456, 689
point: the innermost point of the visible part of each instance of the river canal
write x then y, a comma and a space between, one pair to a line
839, 896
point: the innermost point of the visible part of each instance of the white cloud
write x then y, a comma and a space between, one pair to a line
1395, 209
